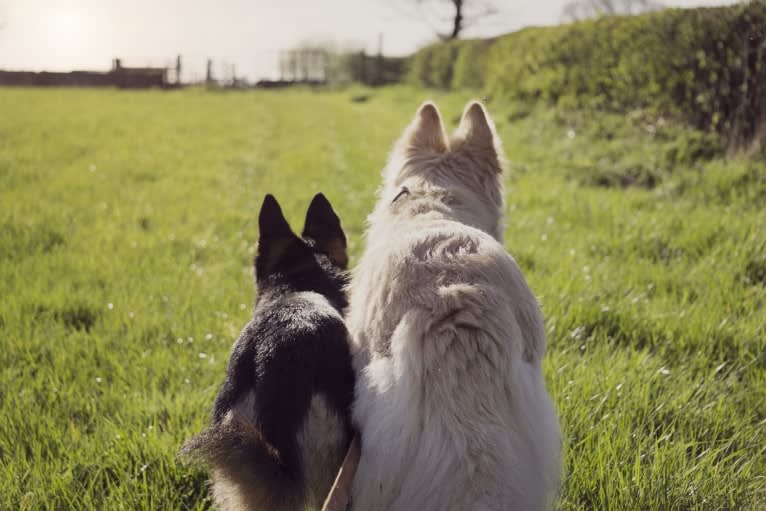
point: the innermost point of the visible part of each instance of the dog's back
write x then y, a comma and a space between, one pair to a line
450, 403
280, 422
453, 409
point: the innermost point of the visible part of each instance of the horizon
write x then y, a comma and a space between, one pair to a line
69, 35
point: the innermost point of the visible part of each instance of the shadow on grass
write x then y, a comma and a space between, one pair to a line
18, 240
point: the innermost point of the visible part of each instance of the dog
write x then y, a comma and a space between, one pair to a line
447, 337
281, 420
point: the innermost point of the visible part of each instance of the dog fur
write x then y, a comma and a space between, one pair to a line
448, 339
281, 424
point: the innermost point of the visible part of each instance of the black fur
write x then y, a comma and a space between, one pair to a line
290, 351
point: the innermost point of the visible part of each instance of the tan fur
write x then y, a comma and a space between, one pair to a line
336, 250
246, 468
233, 448
322, 440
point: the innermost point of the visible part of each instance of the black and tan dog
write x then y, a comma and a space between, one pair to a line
280, 423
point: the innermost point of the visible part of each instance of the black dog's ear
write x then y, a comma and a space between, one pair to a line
323, 226
274, 238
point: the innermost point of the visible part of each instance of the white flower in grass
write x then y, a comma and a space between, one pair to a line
577, 333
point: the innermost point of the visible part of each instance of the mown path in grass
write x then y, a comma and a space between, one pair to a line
127, 222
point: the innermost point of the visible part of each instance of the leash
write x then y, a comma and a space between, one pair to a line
340, 493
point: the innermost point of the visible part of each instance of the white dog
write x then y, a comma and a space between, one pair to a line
448, 339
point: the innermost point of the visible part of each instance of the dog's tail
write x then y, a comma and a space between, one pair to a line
248, 472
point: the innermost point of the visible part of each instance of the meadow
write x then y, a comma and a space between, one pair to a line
127, 230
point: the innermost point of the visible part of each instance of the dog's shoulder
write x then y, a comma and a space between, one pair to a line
428, 258
448, 273
294, 313
453, 246
291, 325
288, 333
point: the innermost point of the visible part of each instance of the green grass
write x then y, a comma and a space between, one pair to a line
127, 222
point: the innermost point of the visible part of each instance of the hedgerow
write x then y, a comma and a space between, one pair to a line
706, 66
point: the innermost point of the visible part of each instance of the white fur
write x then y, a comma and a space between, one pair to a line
448, 338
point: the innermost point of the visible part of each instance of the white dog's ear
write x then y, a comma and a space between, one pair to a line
476, 128
476, 135
427, 130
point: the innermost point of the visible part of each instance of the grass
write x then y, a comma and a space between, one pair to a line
127, 228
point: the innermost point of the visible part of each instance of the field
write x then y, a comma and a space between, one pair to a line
127, 227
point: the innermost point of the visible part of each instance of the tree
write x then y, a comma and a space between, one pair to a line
457, 14
577, 10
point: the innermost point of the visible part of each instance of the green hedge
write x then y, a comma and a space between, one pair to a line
707, 65
433, 66
451, 65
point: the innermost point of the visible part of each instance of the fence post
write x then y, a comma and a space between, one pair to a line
209, 81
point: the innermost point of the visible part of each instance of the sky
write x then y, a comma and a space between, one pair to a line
62, 35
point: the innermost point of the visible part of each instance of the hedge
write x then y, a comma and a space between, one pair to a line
706, 65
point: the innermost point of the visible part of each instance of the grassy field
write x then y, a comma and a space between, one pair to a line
127, 223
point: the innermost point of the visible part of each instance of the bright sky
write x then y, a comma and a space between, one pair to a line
87, 34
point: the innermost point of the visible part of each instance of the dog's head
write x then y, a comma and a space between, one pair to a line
315, 261
464, 169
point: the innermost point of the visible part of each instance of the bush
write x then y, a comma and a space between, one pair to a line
434, 65
471, 64
706, 66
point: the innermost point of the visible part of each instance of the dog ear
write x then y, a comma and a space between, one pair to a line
274, 238
323, 227
427, 130
476, 133
476, 128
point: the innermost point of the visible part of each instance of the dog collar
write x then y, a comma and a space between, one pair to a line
403, 191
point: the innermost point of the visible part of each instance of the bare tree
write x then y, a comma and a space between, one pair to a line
456, 14
576, 10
